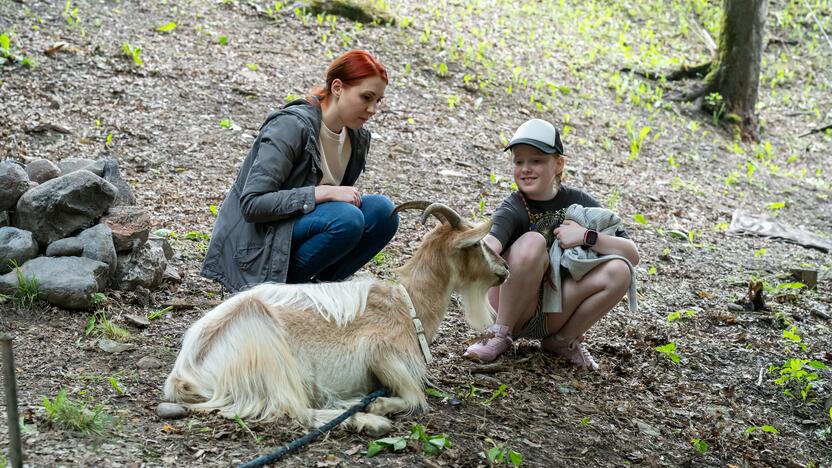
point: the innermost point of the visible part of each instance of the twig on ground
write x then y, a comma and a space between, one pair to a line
816, 130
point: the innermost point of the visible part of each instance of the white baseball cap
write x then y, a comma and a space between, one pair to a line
538, 133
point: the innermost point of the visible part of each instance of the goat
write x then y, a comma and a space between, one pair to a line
308, 351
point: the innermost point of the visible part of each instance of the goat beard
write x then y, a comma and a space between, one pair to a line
478, 311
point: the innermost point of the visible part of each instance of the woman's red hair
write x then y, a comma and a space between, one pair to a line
350, 67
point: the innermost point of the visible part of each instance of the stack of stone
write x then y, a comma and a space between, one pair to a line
75, 228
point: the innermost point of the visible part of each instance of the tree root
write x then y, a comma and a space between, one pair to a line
686, 71
693, 94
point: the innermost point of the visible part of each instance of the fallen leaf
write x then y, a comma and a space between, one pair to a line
55, 48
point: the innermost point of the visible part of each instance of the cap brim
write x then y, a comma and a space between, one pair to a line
536, 143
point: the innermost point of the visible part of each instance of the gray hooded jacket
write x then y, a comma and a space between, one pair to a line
252, 238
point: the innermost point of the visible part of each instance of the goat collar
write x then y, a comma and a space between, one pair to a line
420, 330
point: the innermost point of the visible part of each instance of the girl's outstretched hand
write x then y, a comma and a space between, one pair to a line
569, 234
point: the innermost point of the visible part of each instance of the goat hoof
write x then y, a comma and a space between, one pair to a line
378, 429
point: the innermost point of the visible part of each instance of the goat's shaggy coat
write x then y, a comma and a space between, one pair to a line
307, 351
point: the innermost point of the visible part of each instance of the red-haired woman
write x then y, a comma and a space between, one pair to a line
293, 214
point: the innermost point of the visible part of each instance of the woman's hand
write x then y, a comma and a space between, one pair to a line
348, 194
569, 234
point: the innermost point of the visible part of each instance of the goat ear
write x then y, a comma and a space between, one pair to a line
472, 236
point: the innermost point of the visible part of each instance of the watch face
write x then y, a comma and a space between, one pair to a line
591, 237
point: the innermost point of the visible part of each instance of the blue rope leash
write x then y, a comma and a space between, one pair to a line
309, 437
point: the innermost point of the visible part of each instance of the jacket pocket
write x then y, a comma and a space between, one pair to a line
248, 258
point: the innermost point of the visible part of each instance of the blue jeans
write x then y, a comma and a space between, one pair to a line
336, 238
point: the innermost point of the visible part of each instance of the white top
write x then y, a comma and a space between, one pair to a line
335, 154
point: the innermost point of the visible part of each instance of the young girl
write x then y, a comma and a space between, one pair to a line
526, 225
293, 214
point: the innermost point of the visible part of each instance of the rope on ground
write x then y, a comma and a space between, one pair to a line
309, 437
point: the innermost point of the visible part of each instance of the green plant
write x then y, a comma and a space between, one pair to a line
75, 416
615, 197
669, 351
379, 259
167, 27
159, 313
500, 392
637, 142
700, 445
272, 11
114, 383
453, 101
223, 40
775, 207
639, 218
257, 439
7, 56
798, 375
99, 324
70, 14
430, 444
229, 124
680, 314
498, 453
766, 429
133, 52
791, 336
715, 104
27, 288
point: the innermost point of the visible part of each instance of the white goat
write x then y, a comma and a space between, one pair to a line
308, 351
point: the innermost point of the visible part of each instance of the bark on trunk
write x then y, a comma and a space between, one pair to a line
736, 70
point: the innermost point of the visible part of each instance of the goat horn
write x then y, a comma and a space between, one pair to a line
442, 212
448, 213
411, 205
417, 205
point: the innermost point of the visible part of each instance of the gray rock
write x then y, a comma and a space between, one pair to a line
41, 170
66, 247
162, 242
67, 282
16, 245
114, 347
171, 275
111, 174
139, 321
68, 165
647, 429
142, 268
130, 226
4, 218
171, 411
143, 296
149, 362
62, 205
13, 183
98, 245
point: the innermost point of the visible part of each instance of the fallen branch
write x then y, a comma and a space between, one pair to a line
817, 130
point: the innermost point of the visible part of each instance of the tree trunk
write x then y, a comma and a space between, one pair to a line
736, 71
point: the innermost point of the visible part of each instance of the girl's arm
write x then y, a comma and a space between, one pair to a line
571, 234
